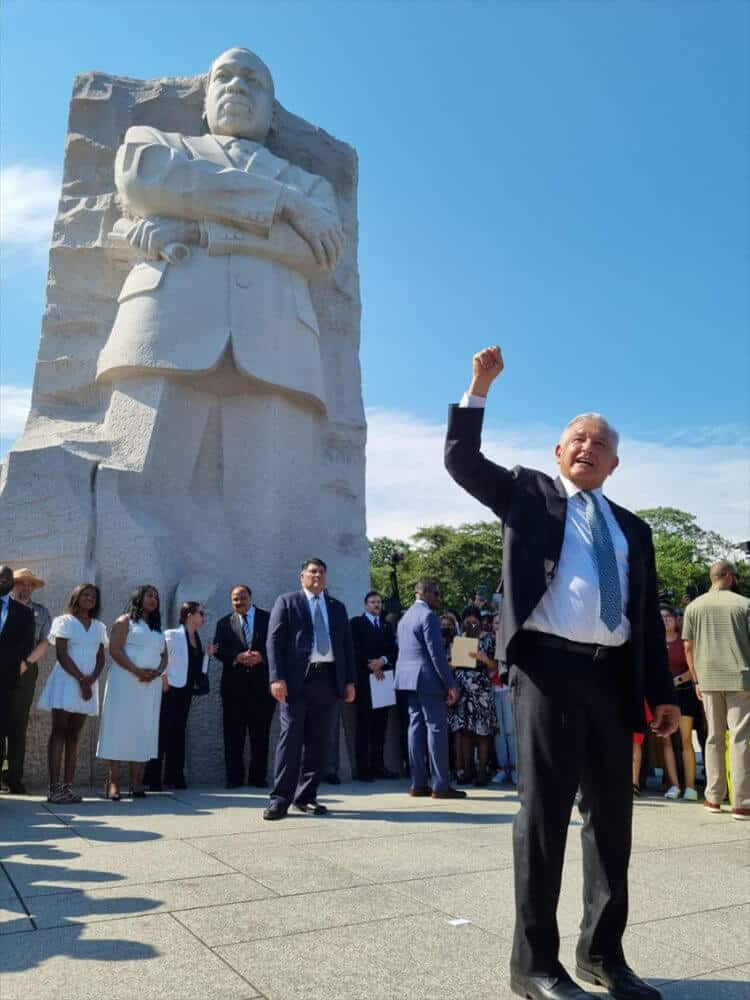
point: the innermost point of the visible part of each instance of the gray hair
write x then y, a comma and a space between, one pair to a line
597, 418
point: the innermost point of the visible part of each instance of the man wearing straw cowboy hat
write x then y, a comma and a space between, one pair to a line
24, 584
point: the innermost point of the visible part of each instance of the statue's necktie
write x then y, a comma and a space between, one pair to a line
610, 595
321, 632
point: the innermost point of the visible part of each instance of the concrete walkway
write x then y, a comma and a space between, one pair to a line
191, 895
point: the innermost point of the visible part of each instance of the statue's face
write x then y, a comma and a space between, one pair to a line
239, 96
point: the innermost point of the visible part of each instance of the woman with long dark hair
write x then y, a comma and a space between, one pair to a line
185, 677
71, 693
132, 698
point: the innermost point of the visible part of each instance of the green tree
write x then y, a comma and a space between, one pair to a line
458, 558
684, 551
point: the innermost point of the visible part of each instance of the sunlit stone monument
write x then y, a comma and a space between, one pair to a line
196, 416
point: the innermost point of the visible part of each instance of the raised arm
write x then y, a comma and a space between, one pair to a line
487, 482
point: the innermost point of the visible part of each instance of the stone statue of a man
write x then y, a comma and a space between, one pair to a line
217, 398
231, 234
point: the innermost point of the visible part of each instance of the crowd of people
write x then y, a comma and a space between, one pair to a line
155, 673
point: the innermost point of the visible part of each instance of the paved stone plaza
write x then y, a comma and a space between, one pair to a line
191, 895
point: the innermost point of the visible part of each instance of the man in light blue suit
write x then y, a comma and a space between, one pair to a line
422, 670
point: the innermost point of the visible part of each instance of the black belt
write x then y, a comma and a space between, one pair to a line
319, 664
589, 649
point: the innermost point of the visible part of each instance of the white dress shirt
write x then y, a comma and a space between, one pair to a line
375, 622
571, 605
315, 655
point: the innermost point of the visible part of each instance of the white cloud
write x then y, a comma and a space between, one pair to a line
408, 487
15, 401
28, 204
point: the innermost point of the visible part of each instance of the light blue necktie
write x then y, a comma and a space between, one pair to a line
321, 632
248, 636
610, 595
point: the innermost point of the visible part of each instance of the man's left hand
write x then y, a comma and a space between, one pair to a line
666, 720
350, 693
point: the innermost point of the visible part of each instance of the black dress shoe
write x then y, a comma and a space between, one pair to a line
559, 987
274, 812
233, 784
449, 793
331, 779
316, 808
365, 777
16, 788
384, 774
257, 783
620, 980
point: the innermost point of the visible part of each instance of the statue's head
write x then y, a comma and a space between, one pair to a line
239, 95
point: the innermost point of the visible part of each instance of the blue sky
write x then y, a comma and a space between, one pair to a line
567, 179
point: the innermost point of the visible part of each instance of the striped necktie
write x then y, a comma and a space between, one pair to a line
610, 594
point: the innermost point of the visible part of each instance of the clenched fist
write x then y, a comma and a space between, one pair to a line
485, 367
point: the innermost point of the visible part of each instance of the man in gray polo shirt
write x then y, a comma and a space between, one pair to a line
716, 633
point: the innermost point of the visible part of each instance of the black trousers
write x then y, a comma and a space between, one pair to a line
571, 731
369, 744
173, 716
247, 714
18, 722
305, 730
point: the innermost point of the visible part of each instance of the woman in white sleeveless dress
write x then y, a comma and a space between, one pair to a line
71, 693
130, 713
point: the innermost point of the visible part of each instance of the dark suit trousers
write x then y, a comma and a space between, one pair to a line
9, 680
247, 713
305, 728
371, 727
18, 722
173, 717
571, 730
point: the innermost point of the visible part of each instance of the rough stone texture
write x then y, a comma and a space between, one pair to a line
70, 509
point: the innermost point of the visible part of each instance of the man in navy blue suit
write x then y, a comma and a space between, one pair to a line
310, 665
422, 671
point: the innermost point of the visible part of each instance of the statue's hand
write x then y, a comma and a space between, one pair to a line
151, 236
317, 226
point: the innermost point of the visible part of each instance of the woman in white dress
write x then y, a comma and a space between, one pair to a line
72, 689
129, 729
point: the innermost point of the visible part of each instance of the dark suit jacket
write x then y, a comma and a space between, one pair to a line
231, 643
370, 643
291, 637
532, 507
16, 639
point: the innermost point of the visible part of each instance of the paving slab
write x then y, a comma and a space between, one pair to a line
403, 958
80, 866
284, 871
722, 984
13, 918
148, 958
82, 907
281, 916
418, 856
721, 934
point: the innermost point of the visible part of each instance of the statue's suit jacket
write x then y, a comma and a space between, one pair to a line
532, 507
244, 287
